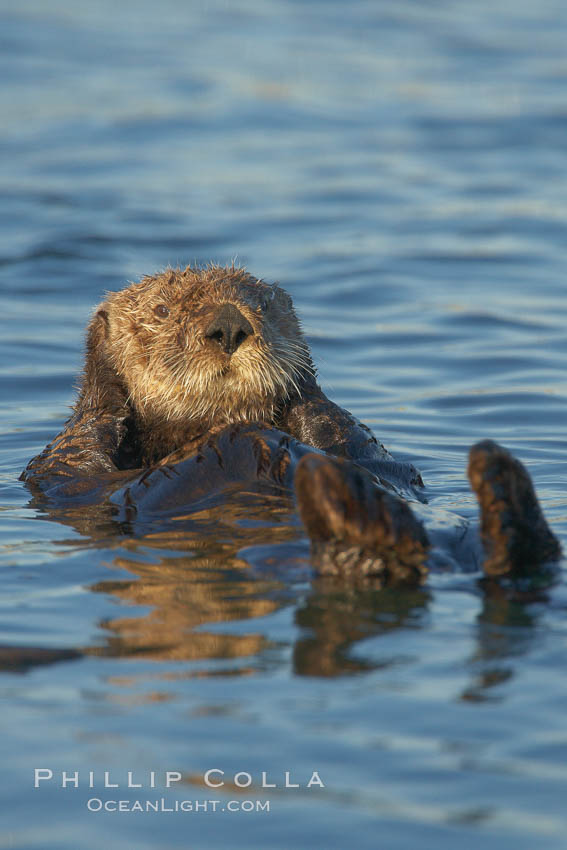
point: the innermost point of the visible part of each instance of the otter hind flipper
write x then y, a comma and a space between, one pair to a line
515, 534
356, 527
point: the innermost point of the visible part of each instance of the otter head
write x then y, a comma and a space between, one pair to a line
211, 346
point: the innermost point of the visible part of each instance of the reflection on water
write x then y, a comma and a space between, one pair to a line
186, 593
506, 630
400, 168
335, 618
190, 577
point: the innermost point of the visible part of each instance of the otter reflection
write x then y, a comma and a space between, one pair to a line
187, 593
230, 561
336, 616
506, 628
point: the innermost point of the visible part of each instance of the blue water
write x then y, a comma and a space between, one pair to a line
400, 168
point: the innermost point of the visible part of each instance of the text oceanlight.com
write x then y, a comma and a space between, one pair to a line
95, 804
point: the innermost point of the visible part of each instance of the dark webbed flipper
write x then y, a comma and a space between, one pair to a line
514, 531
356, 527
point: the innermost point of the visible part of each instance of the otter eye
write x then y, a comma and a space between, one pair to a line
161, 311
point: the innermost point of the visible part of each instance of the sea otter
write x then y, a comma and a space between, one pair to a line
199, 377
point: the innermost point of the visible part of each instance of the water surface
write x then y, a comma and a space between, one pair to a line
401, 169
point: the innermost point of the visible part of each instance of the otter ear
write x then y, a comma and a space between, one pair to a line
102, 387
283, 297
101, 318
97, 336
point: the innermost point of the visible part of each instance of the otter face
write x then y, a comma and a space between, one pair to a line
214, 345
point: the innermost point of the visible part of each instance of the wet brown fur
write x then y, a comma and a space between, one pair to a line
155, 383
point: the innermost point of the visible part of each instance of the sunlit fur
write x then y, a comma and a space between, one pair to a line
174, 374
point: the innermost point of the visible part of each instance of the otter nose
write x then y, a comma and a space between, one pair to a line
229, 328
